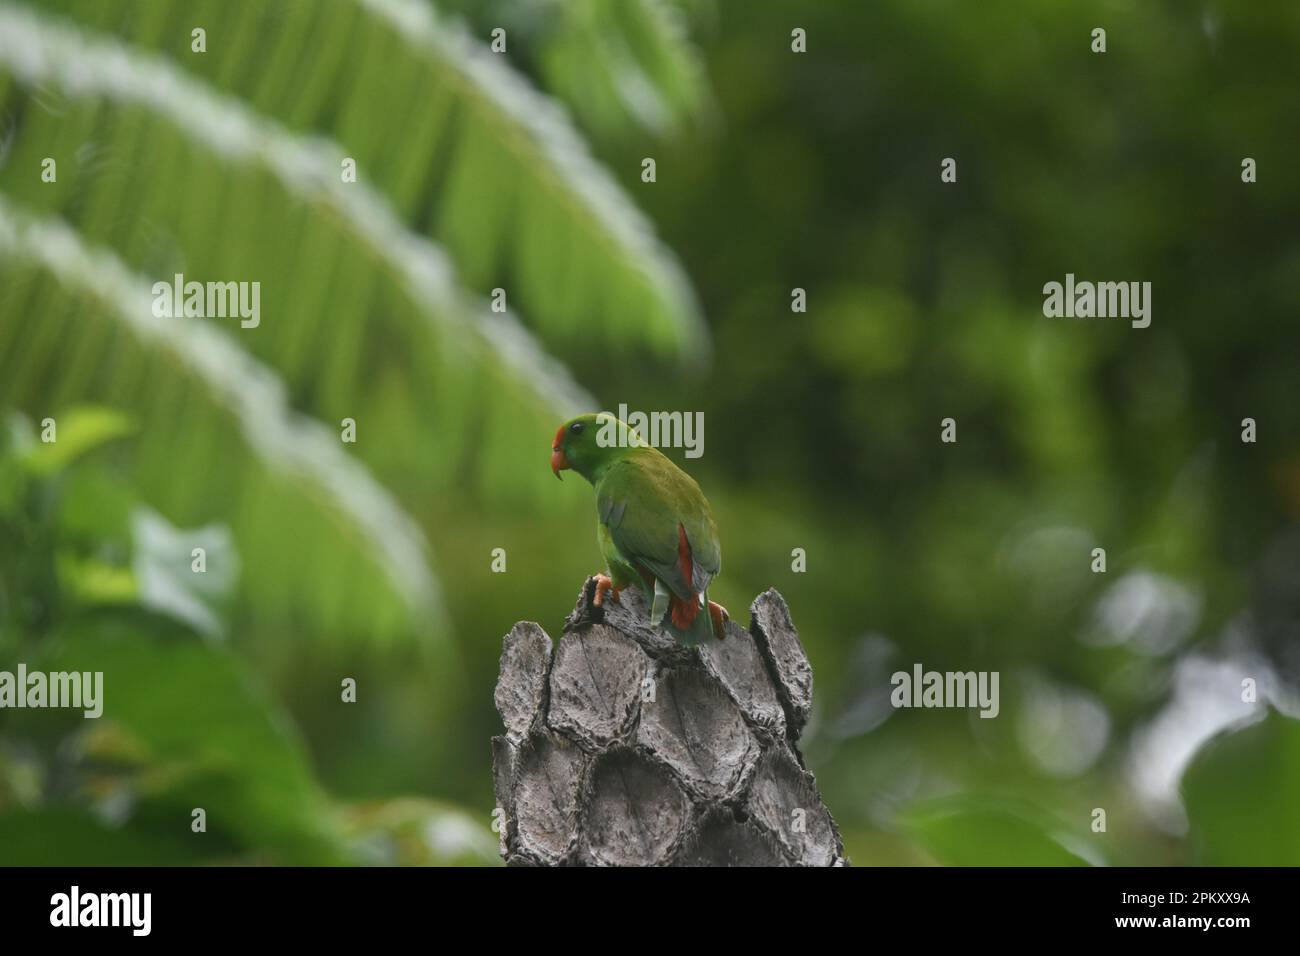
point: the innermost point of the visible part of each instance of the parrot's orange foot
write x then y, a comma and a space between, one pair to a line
603, 584
720, 618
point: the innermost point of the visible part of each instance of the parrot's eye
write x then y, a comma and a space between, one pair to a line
576, 428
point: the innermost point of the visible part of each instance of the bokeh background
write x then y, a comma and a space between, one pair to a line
521, 171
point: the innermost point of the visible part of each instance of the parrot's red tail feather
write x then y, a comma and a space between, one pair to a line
683, 612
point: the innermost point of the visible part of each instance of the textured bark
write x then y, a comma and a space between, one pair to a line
623, 748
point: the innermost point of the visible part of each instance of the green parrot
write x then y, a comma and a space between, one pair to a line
654, 525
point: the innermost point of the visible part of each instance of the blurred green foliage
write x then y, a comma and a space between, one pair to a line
521, 171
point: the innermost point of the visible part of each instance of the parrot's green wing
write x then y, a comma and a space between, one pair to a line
645, 501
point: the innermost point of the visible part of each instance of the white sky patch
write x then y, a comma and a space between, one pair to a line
1152, 613
1063, 730
1206, 699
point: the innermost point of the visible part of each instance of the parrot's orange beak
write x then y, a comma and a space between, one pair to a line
558, 462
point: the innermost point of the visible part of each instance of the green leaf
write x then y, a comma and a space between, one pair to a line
1242, 794
970, 830
199, 732
66, 836
163, 565
91, 582
78, 431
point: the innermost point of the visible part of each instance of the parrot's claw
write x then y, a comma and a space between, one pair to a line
603, 584
720, 618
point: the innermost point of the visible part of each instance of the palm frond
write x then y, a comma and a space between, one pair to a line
624, 66
489, 166
311, 519
183, 178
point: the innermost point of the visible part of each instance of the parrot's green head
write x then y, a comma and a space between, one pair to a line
590, 443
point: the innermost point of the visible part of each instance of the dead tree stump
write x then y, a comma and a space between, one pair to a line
623, 748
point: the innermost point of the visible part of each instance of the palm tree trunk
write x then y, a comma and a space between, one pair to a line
624, 748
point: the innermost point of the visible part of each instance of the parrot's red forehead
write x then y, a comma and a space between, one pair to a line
559, 437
